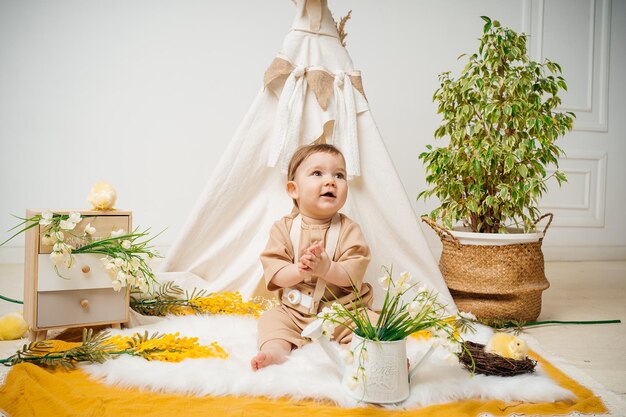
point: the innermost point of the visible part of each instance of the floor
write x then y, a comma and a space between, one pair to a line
578, 291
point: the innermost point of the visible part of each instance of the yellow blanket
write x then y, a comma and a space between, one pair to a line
33, 391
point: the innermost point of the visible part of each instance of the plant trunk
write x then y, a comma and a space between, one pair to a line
475, 221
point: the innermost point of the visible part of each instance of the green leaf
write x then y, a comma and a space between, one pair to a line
508, 163
560, 177
487, 24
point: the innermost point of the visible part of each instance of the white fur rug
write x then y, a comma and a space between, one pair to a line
307, 374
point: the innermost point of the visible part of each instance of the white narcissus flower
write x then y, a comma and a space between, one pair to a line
89, 229
122, 277
359, 374
325, 314
74, 217
62, 247
58, 235
468, 316
385, 281
128, 267
338, 308
131, 280
140, 277
443, 339
328, 328
57, 258
118, 262
414, 308
142, 285
111, 269
46, 218
118, 233
126, 244
117, 285
134, 263
404, 282
67, 224
48, 240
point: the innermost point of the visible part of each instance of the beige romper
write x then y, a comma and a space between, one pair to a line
286, 321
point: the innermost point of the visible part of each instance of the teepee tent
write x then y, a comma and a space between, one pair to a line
311, 92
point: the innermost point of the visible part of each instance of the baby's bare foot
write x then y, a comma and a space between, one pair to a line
261, 360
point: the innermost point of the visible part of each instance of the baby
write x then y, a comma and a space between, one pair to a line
314, 257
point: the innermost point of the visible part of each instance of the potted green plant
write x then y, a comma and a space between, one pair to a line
500, 118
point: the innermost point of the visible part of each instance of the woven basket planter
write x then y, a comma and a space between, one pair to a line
494, 281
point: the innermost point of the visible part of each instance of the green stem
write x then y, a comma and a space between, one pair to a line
21, 231
10, 300
12, 360
538, 323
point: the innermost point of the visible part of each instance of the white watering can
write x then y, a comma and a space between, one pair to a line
378, 373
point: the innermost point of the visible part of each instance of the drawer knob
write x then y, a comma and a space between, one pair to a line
84, 303
85, 269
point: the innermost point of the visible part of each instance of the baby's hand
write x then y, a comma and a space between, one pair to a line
304, 265
321, 264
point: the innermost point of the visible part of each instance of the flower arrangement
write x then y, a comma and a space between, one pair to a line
123, 252
101, 346
407, 310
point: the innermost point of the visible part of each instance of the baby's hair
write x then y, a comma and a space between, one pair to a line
304, 152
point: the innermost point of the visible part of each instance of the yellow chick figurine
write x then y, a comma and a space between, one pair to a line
102, 196
12, 326
507, 345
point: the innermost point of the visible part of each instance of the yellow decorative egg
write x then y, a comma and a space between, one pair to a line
102, 196
12, 326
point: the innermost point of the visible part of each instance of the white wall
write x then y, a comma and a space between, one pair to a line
147, 93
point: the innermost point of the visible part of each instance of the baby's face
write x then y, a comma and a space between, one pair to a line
320, 186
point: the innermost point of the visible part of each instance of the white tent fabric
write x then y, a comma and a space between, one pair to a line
312, 93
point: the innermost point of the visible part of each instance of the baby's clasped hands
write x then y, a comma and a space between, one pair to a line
315, 261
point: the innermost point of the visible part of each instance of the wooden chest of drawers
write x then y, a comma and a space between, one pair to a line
83, 294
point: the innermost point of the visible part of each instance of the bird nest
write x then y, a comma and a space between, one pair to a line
492, 364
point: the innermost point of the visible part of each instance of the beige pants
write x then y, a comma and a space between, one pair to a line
283, 323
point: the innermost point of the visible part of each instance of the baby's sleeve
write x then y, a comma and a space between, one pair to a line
278, 252
354, 256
